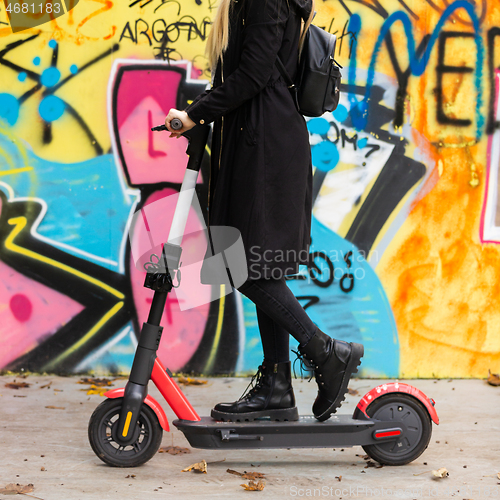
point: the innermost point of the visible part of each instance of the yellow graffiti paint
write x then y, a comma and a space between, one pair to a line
15, 171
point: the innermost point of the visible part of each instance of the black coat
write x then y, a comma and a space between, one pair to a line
261, 173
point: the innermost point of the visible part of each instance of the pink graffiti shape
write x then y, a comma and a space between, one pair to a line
144, 98
21, 307
29, 313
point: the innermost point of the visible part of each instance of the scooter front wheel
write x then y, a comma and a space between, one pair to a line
103, 426
399, 407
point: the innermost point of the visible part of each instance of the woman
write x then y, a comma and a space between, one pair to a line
261, 184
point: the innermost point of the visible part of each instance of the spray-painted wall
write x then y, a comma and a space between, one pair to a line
406, 222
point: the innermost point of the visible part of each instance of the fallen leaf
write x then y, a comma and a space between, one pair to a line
94, 389
190, 381
17, 489
235, 472
130, 475
101, 382
247, 475
254, 486
174, 450
17, 385
498, 475
198, 467
46, 386
253, 475
352, 392
339, 478
55, 407
493, 378
42, 469
442, 472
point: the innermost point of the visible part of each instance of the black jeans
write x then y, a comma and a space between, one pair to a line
279, 315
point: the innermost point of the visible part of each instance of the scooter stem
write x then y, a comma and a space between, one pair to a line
161, 282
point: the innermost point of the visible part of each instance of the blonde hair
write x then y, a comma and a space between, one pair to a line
218, 37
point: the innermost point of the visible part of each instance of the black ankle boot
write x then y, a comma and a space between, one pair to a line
333, 361
271, 397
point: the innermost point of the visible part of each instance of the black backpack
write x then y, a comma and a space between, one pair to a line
317, 86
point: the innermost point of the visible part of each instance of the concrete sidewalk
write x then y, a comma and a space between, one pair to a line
48, 447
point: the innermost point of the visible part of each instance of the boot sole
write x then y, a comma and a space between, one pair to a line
357, 351
279, 415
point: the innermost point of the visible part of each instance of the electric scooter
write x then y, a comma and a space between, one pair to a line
392, 422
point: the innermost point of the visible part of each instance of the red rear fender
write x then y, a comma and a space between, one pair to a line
398, 387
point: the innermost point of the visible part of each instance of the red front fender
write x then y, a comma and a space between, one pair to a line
398, 387
150, 401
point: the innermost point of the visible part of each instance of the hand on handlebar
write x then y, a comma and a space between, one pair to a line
187, 123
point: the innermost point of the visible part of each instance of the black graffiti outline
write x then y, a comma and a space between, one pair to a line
412, 14
441, 69
313, 268
168, 2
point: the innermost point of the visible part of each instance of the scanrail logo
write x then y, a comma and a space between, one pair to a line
24, 14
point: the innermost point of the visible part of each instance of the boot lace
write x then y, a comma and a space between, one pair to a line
254, 385
306, 366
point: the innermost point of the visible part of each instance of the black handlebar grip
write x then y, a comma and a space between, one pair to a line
159, 128
176, 124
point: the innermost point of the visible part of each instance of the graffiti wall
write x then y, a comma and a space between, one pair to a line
405, 254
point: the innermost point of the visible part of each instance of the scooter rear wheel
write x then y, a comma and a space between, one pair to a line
399, 407
102, 435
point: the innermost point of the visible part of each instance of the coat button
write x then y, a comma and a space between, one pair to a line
202, 122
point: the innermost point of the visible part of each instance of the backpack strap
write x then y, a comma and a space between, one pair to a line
289, 82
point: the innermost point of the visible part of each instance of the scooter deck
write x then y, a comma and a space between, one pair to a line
307, 432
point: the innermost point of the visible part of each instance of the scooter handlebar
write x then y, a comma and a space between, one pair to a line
175, 124
197, 137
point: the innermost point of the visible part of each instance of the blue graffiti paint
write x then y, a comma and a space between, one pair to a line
9, 108
341, 113
52, 44
36, 61
359, 115
22, 76
253, 353
86, 205
325, 156
362, 143
419, 65
50, 76
73, 69
318, 126
51, 108
363, 315
354, 27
